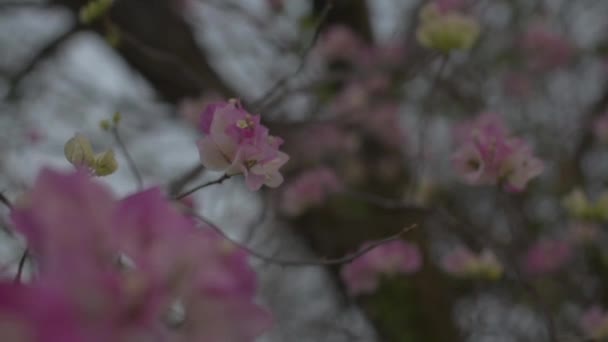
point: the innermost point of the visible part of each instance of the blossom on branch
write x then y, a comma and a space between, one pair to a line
309, 189
363, 275
131, 270
547, 256
236, 142
488, 155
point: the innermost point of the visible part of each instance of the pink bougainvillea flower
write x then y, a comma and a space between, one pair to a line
363, 275
309, 189
125, 266
340, 43
547, 256
236, 142
546, 50
36, 314
488, 155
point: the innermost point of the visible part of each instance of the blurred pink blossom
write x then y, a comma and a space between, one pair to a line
363, 275
340, 43
546, 50
236, 142
122, 266
36, 314
488, 155
322, 140
309, 189
547, 256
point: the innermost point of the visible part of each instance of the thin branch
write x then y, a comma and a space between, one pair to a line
175, 186
22, 260
258, 104
304, 262
49, 49
380, 201
204, 185
5, 201
130, 161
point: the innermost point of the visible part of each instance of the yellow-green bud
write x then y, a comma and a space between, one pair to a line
447, 32
78, 151
116, 118
105, 125
105, 163
94, 10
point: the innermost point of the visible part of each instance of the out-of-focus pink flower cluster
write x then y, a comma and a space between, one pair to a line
544, 49
363, 275
339, 43
594, 324
462, 262
489, 155
236, 142
309, 189
547, 256
322, 140
128, 270
365, 100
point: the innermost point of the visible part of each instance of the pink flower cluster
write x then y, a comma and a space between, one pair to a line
236, 142
363, 275
340, 43
488, 155
128, 270
309, 189
594, 323
547, 256
546, 50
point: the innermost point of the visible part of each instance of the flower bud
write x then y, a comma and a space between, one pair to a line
116, 118
105, 125
105, 163
78, 151
447, 32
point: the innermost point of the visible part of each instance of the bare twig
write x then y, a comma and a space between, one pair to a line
204, 185
130, 161
22, 260
258, 105
303, 262
5, 201
380, 201
175, 186
49, 49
